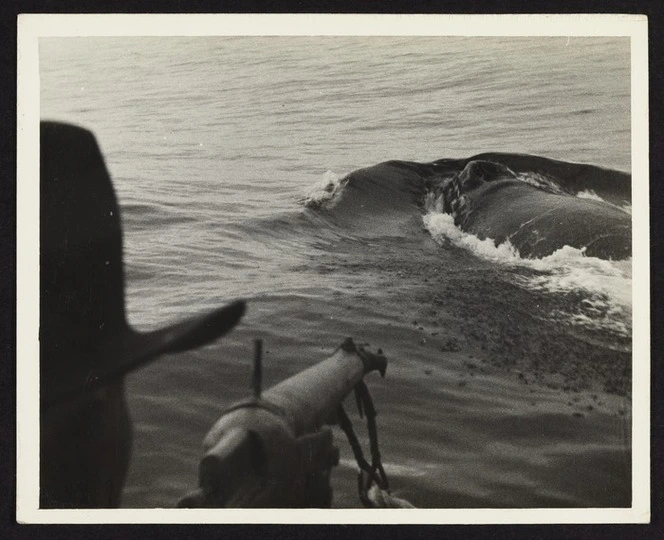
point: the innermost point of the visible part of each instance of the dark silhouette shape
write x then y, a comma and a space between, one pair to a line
86, 344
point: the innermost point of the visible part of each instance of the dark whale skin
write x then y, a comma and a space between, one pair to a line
538, 222
488, 197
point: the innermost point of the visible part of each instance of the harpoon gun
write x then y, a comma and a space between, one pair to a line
275, 450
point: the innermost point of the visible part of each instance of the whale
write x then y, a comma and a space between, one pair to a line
530, 201
537, 214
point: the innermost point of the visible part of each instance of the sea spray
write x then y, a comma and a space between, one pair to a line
606, 285
442, 227
325, 191
589, 194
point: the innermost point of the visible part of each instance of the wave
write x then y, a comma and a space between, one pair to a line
606, 285
157, 214
325, 191
554, 220
538, 204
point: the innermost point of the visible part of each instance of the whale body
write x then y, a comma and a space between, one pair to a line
529, 200
490, 200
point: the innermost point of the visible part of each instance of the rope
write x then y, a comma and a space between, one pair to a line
372, 482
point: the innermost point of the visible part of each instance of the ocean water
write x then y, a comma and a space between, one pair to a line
509, 379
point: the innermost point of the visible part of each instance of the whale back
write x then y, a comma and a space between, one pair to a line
490, 200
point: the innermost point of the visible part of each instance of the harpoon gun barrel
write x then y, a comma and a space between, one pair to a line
276, 450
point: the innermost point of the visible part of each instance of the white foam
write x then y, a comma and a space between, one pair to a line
442, 228
325, 191
540, 181
608, 284
589, 194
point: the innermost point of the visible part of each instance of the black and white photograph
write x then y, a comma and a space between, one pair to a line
284, 263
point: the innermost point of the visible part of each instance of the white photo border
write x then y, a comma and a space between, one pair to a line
34, 26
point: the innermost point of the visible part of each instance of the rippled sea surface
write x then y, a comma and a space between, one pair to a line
497, 395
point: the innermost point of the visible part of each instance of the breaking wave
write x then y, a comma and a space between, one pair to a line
325, 191
391, 199
606, 285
